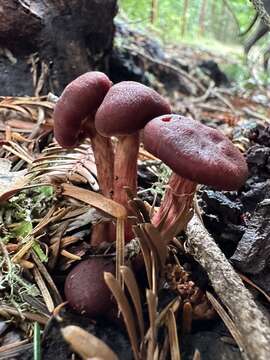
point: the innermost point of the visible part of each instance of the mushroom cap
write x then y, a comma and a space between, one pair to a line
81, 98
127, 107
196, 152
85, 288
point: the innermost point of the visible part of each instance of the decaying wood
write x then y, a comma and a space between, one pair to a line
60, 40
253, 326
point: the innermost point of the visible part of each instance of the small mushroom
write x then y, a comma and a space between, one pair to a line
74, 120
125, 110
85, 288
197, 154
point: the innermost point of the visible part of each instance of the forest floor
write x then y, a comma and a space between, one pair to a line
44, 232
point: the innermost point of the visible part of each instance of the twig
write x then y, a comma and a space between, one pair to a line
253, 326
259, 6
256, 115
42, 319
205, 96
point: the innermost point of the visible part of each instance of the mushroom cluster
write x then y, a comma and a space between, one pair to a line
92, 107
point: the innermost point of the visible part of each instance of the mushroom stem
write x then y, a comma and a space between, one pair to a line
125, 174
174, 212
104, 158
125, 167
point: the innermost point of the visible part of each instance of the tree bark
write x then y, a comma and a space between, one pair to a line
252, 325
69, 37
260, 8
154, 11
202, 18
184, 18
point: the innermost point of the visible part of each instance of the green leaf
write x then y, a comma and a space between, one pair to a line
37, 342
23, 229
40, 253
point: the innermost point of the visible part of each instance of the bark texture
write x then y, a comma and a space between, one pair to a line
251, 323
59, 39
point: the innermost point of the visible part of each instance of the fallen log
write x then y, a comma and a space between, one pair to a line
251, 323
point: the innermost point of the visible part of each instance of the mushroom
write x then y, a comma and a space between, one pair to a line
197, 154
85, 288
74, 120
125, 110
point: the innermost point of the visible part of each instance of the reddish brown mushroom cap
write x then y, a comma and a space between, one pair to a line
127, 107
85, 288
81, 98
196, 152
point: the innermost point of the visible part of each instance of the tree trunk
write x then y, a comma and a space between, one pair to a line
214, 17
202, 18
61, 39
154, 11
184, 18
221, 22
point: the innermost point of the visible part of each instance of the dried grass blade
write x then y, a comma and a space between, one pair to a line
69, 255
55, 250
154, 273
55, 293
51, 217
12, 345
156, 353
21, 149
120, 247
44, 290
86, 344
146, 253
161, 317
14, 350
125, 309
25, 248
197, 355
35, 103
251, 283
141, 206
173, 336
152, 311
157, 242
155, 263
227, 320
96, 200
134, 292
20, 155
165, 348
6, 105
25, 314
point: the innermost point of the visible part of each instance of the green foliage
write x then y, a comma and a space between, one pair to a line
19, 214
203, 18
40, 253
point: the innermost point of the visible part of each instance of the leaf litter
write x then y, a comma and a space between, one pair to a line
44, 223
